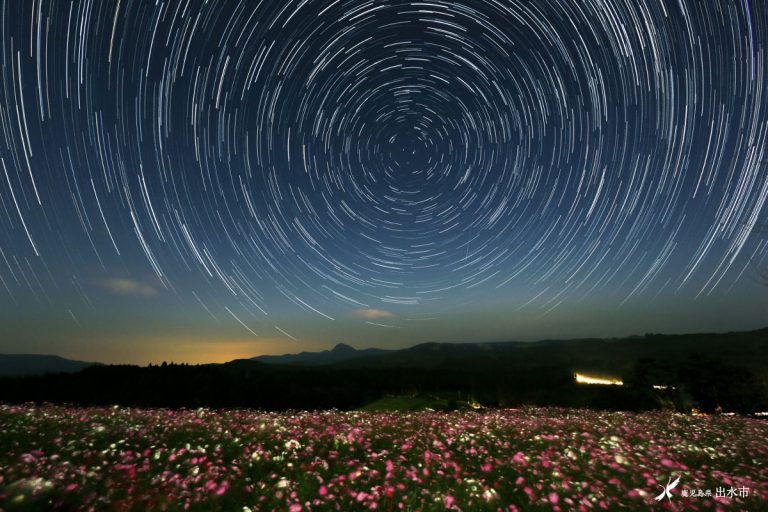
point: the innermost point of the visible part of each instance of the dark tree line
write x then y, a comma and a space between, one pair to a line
698, 382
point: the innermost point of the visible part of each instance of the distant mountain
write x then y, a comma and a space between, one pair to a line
17, 365
711, 372
340, 353
615, 355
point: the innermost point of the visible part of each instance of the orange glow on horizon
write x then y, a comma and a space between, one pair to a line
188, 350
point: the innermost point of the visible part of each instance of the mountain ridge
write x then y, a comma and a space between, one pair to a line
18, 365
715, 371
456, 354
341, 352
435, 354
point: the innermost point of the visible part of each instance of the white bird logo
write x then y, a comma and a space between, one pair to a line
668, 488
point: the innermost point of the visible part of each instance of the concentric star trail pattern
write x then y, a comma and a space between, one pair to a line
380, 164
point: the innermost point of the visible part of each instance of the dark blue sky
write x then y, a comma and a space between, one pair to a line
199, 182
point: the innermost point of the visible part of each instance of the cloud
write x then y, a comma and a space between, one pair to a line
372, 314
118, 286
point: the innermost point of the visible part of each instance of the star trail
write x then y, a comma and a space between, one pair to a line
391, 172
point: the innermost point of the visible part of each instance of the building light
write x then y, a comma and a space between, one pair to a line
602, 381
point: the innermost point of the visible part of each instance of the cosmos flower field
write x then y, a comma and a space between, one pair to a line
115, 458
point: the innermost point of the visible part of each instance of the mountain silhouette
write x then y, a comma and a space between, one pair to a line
708, 371
339, 354
15, 365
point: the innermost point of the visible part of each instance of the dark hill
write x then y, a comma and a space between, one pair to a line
12, 365
338, 354
748, 349
712, 372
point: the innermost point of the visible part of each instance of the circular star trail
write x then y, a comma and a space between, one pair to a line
373, 156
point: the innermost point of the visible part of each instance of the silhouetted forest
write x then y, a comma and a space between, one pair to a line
712, 373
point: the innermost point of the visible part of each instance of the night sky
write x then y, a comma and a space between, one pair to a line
198, 181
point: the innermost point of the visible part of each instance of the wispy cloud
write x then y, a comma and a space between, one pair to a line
131, 287
372, 314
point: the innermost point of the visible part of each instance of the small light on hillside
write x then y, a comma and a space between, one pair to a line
582, 378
